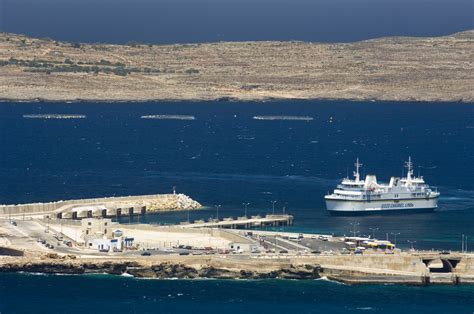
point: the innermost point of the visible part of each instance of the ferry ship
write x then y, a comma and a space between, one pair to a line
356, 196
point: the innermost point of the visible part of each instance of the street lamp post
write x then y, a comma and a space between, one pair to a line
273, 207
411, 243
373, 232
395, 234
217, 211
354, 225
245, 205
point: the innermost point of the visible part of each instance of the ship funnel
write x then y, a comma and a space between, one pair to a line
370, 181
394, 181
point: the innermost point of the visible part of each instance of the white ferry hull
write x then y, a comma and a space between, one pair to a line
341, 207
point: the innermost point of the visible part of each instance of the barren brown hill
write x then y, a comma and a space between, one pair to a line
396, 68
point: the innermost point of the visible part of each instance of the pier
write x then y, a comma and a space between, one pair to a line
242, 222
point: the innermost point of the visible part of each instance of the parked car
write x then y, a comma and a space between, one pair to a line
13, 222
145, 253
323, 238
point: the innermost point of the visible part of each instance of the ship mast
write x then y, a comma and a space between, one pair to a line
356, 173
409, 166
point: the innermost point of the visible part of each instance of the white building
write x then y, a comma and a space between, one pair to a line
100, 234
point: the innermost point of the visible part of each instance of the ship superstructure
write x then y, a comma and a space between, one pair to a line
409, 193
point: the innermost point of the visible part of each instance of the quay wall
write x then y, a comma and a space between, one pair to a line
402, 263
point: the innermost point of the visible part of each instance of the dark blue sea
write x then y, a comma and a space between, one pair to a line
226, 157
27, 293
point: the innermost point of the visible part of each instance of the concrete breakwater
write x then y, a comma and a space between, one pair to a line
102, 207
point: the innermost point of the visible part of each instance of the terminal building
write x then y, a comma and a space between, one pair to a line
100, 234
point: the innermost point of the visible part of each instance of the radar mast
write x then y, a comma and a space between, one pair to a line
356, 173
409, 166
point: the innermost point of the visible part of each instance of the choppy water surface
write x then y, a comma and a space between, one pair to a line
87, 294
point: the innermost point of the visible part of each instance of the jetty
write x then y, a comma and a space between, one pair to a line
242, 222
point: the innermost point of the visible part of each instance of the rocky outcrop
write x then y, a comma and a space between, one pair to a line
162, 270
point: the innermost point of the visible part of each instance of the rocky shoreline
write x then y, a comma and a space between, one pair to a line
158, 270
220, 268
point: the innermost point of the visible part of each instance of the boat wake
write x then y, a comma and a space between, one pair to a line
455, 199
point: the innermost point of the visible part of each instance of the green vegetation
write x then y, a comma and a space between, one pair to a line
192, 71
103, 66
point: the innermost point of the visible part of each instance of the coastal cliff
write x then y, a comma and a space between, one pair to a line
394, 69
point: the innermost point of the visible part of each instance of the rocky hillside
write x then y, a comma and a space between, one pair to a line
396, 68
